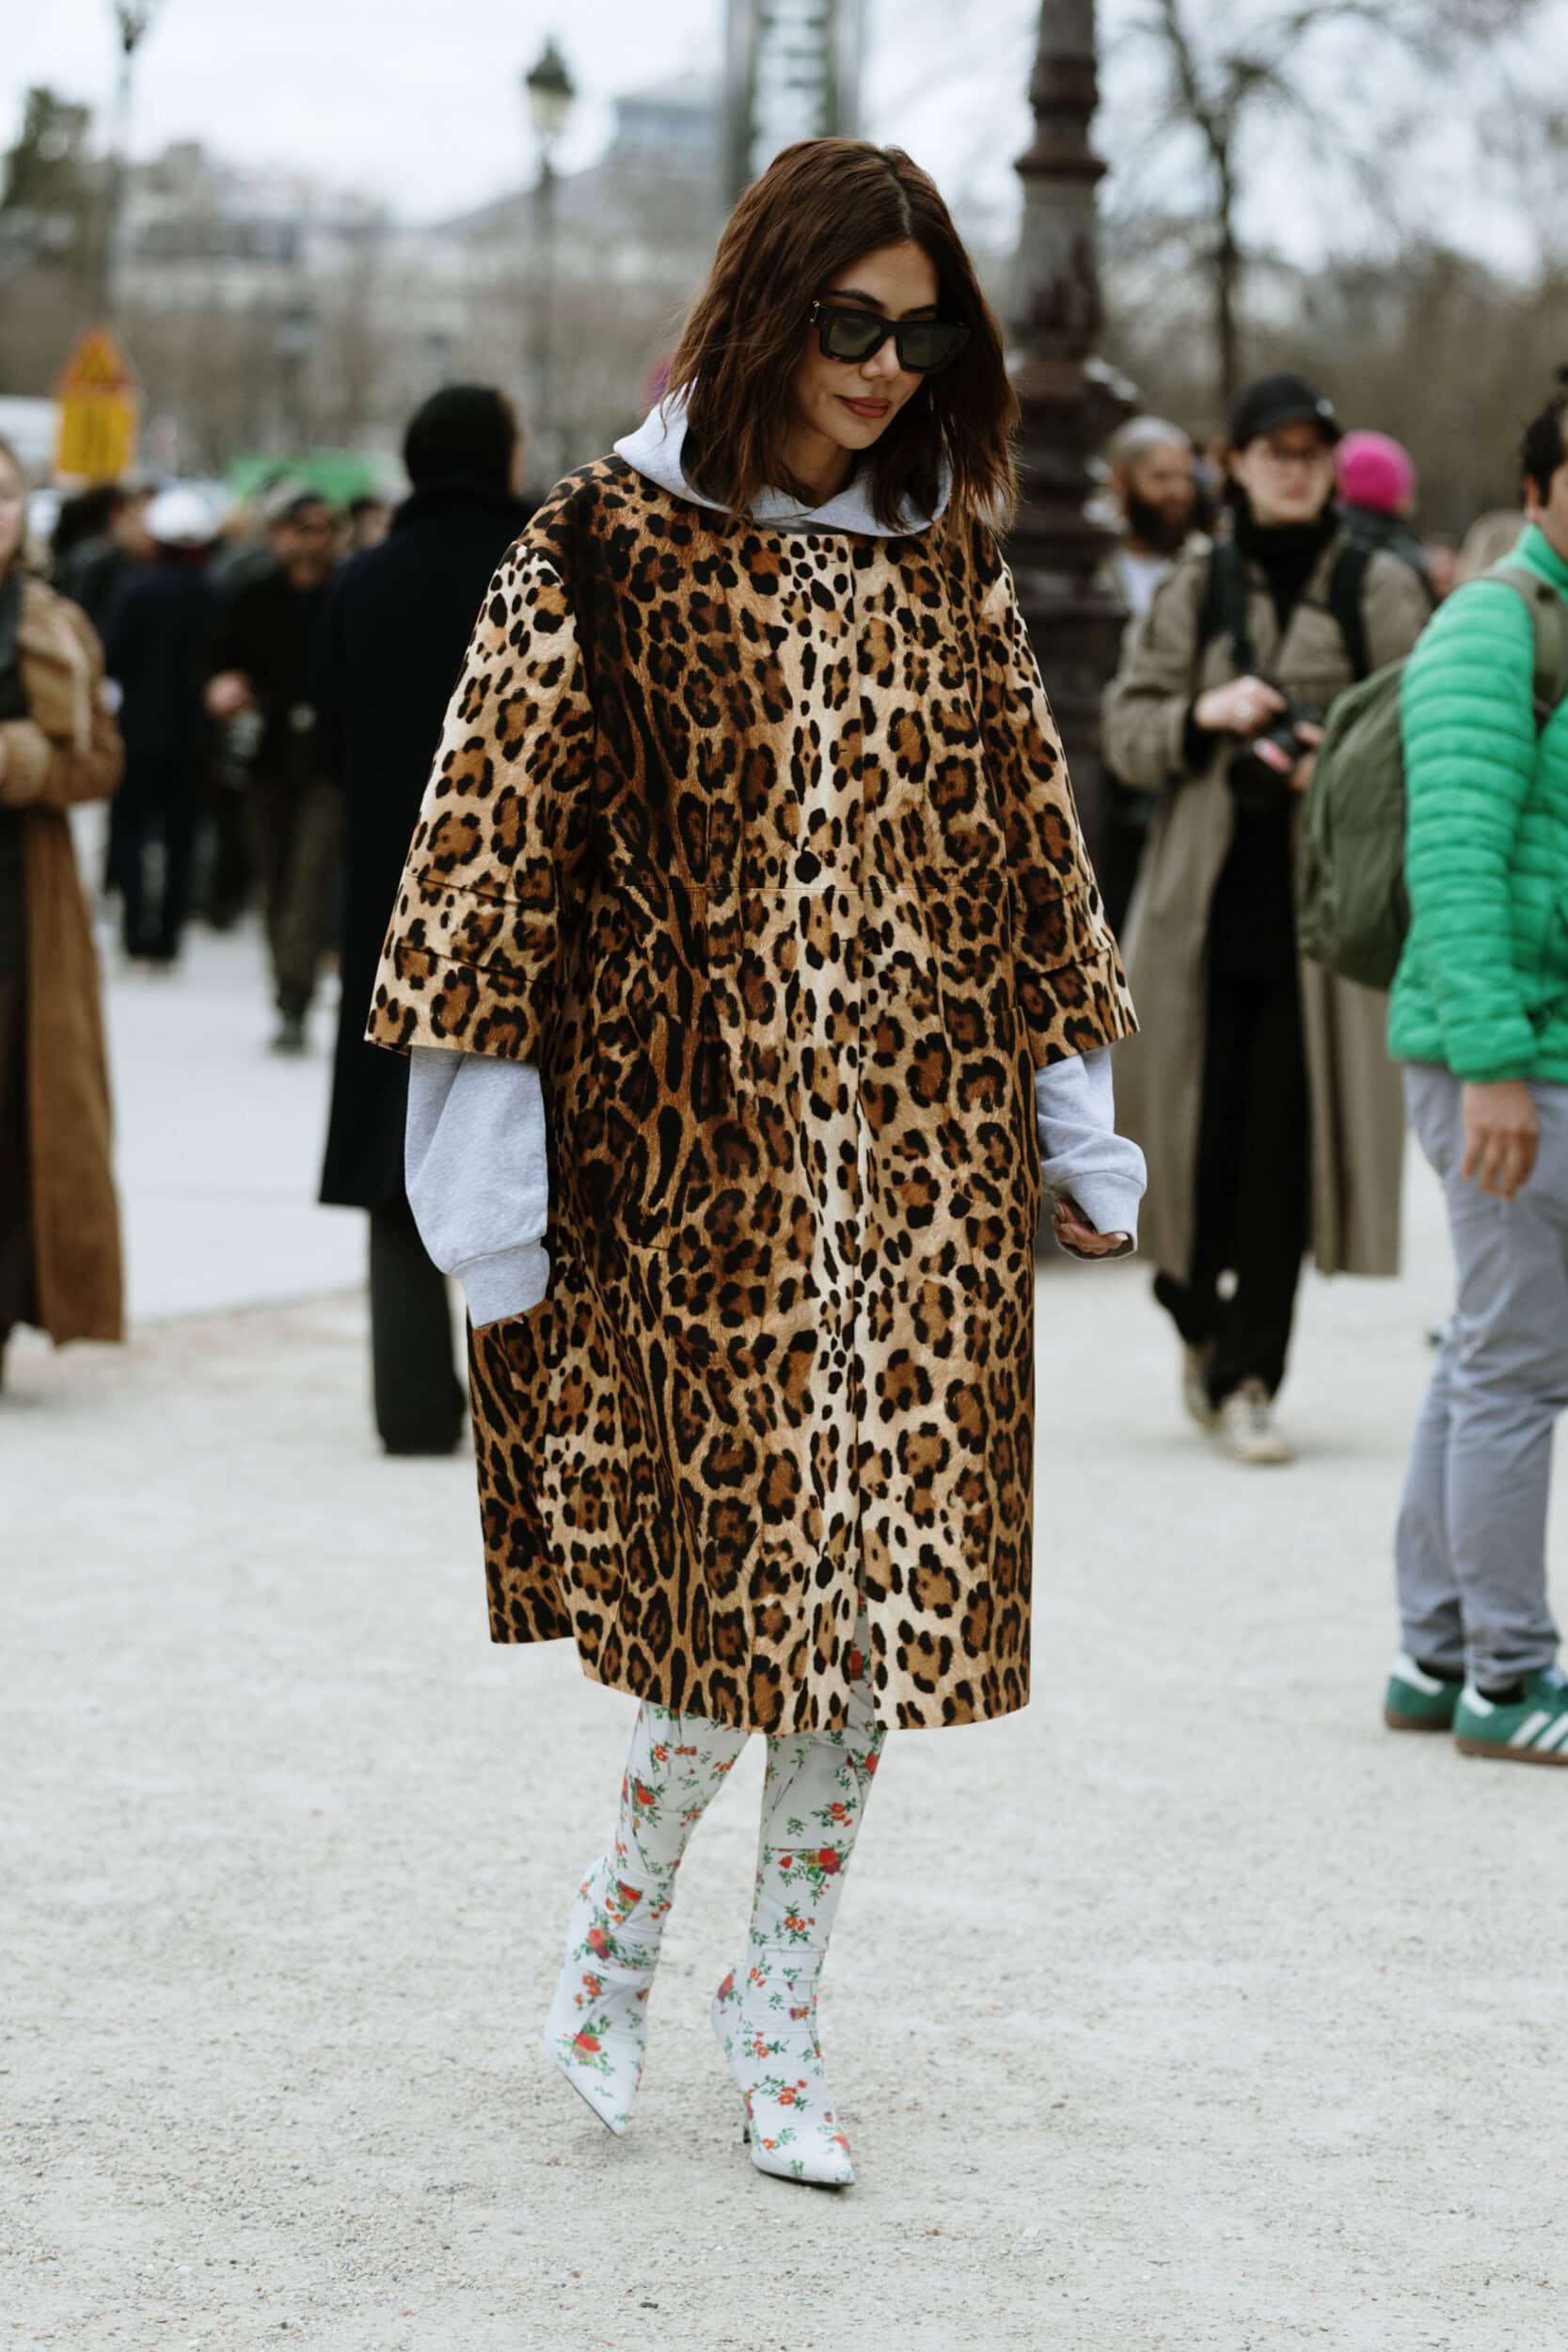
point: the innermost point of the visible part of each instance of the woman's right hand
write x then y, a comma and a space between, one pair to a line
1244, 707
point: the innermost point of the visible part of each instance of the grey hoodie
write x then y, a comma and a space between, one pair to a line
475, 1148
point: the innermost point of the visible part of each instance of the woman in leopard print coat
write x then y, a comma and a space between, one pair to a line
746, 931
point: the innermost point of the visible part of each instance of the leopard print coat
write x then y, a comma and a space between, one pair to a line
761, 843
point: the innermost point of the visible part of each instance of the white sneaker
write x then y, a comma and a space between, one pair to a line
1247, 1426
1195, 1388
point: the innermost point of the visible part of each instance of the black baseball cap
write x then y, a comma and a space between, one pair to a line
1279, 400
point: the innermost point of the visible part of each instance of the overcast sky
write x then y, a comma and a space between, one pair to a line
418, 101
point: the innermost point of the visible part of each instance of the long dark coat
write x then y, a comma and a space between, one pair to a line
401, 617
762, 843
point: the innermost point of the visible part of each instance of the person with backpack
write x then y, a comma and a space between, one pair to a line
1480, 1019
1259, 1087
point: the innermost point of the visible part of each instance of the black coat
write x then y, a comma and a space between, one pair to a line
159, 645
397, 628
273, 631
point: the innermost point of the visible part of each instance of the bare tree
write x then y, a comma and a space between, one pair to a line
1226, 76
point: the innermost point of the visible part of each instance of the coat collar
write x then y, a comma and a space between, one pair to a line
57, 669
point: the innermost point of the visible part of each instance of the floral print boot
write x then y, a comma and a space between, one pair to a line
597, 2028
765, 2012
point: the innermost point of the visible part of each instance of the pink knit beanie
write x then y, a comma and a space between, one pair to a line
1375, 471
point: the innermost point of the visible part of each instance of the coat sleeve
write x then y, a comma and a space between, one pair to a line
493, 887
1072, 991
1469, 723
1149, 701
40, 771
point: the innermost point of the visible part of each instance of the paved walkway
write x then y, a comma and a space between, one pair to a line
1187, 2009
218, 1141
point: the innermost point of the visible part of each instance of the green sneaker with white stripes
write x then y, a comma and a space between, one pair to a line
1416, 1701
1530, 1730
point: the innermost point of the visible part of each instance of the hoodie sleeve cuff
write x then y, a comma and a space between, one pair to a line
1111, 1203
508, 1282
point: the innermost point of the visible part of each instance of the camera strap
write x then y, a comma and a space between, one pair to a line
1227, 597
1347, 584
1227, 593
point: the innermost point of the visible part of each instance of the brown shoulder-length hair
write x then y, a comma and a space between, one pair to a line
820, 205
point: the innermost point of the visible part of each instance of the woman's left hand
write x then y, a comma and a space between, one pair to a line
1075, 1232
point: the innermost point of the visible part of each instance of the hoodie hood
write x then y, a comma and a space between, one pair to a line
654, 450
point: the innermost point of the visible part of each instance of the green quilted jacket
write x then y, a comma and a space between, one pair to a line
1482, 984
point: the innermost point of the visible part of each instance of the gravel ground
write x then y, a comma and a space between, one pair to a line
1188, 2009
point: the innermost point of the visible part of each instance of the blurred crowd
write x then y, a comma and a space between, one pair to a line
211, 615
272, 673
256, 690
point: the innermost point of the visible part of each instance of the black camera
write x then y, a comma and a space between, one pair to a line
1260, 773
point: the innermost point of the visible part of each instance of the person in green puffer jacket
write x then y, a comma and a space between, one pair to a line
1479, 1016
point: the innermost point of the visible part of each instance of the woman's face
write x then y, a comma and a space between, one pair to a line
14, 509
852, 403
1288, 475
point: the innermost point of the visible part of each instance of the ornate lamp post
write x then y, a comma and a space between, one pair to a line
548, 88
1071, 401
296, 342
132, 19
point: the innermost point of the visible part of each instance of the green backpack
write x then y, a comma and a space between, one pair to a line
1351, 911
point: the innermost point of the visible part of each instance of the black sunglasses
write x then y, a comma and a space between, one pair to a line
924, 346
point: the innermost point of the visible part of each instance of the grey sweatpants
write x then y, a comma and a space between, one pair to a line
1471, 1545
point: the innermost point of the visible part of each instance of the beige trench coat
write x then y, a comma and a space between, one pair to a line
1357, 1120
67, 749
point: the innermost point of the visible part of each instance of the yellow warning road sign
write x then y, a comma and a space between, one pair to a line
99, 405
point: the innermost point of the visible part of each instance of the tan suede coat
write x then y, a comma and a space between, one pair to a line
67, 749
1357, 1115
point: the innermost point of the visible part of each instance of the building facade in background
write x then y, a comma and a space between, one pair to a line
278, 312
792, 70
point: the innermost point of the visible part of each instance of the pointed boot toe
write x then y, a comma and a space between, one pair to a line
790, 2123
597, 2030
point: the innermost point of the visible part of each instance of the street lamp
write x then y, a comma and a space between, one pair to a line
132, 19
1070, 399
550, 93
547, 86
297, 342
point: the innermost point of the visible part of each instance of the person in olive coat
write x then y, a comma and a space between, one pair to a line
398, 627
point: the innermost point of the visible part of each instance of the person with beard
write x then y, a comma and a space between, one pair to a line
396, 633
1261, 1086
1152, 480
1151, 474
